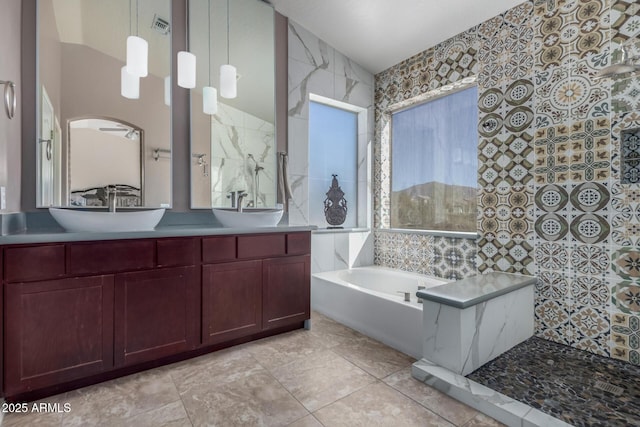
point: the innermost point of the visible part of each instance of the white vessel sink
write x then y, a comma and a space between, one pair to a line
76, 220
248, 218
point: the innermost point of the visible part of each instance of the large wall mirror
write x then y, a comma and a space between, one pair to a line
90, 136
234, 149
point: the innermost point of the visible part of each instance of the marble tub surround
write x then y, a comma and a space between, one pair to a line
490, 402
470, 322
537, 369
317, 68
301, 378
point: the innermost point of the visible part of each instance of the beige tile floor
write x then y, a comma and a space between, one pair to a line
328, 376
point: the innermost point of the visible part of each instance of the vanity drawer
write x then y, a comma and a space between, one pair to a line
298, 243
261, 246
219, 248
177, 252
33, 263
108, 257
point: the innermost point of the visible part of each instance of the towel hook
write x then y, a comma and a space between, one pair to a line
9, 97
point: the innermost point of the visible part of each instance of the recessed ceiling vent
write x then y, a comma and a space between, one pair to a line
161, 25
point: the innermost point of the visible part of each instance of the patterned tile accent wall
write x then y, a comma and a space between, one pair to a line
559, 193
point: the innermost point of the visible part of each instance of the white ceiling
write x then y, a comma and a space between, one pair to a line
378, 34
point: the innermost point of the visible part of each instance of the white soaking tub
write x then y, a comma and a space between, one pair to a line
371, 300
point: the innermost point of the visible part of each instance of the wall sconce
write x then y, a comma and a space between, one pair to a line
228, 73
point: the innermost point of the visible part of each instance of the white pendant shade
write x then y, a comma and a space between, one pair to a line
129, 84
186, 70
137, 54
228, 81
167, 90
209, 100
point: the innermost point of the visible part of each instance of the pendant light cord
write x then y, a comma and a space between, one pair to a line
130, 23
228, 13
137, 9
209, 28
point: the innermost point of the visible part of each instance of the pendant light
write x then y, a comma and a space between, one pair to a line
129, 84
209, 93
167, 91
187, 63
228, 74
137, 50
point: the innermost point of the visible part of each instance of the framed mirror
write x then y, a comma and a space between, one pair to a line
90, 136
235, 148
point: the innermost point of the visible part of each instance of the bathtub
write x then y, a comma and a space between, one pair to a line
370, 300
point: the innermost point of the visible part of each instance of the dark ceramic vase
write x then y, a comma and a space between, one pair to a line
335, 205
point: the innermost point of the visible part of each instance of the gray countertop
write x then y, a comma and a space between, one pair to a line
44, 235
474, 290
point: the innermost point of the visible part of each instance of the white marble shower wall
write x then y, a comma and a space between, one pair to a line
317, 68
235, 135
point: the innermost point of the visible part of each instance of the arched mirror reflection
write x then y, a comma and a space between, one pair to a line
235, 148
82, 49
105, 154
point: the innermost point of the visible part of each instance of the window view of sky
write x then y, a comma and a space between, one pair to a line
333, 146
436, 142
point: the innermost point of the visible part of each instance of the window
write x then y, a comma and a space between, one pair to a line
434, 164
333, 148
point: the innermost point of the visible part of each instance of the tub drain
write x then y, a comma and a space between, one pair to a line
609, 388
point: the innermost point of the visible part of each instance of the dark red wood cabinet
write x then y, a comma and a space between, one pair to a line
231, 300
57, 331
81, 311
156, 314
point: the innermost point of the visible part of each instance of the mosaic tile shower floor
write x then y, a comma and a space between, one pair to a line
559, 380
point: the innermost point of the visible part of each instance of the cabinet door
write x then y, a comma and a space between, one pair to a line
57, 331
156, 314
286, 291
231, 300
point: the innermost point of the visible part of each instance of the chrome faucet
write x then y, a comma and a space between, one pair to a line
241, 195
112, 198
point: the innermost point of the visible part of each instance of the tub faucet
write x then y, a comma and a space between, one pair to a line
420, 288
407, 296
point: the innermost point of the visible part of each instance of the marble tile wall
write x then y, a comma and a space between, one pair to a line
315, 67
552, 200
235, 135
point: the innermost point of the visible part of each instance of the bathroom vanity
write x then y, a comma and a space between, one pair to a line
80, 312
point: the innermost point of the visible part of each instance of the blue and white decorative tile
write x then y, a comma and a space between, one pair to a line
589, 97
554, 97
552, 320
625, 263
624, 95
590, 228
590, 260
553, 285
553, 256
625, 216
552, 227
625, 296
552, 148
590, 150
625, 337
590, 329
590, 291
